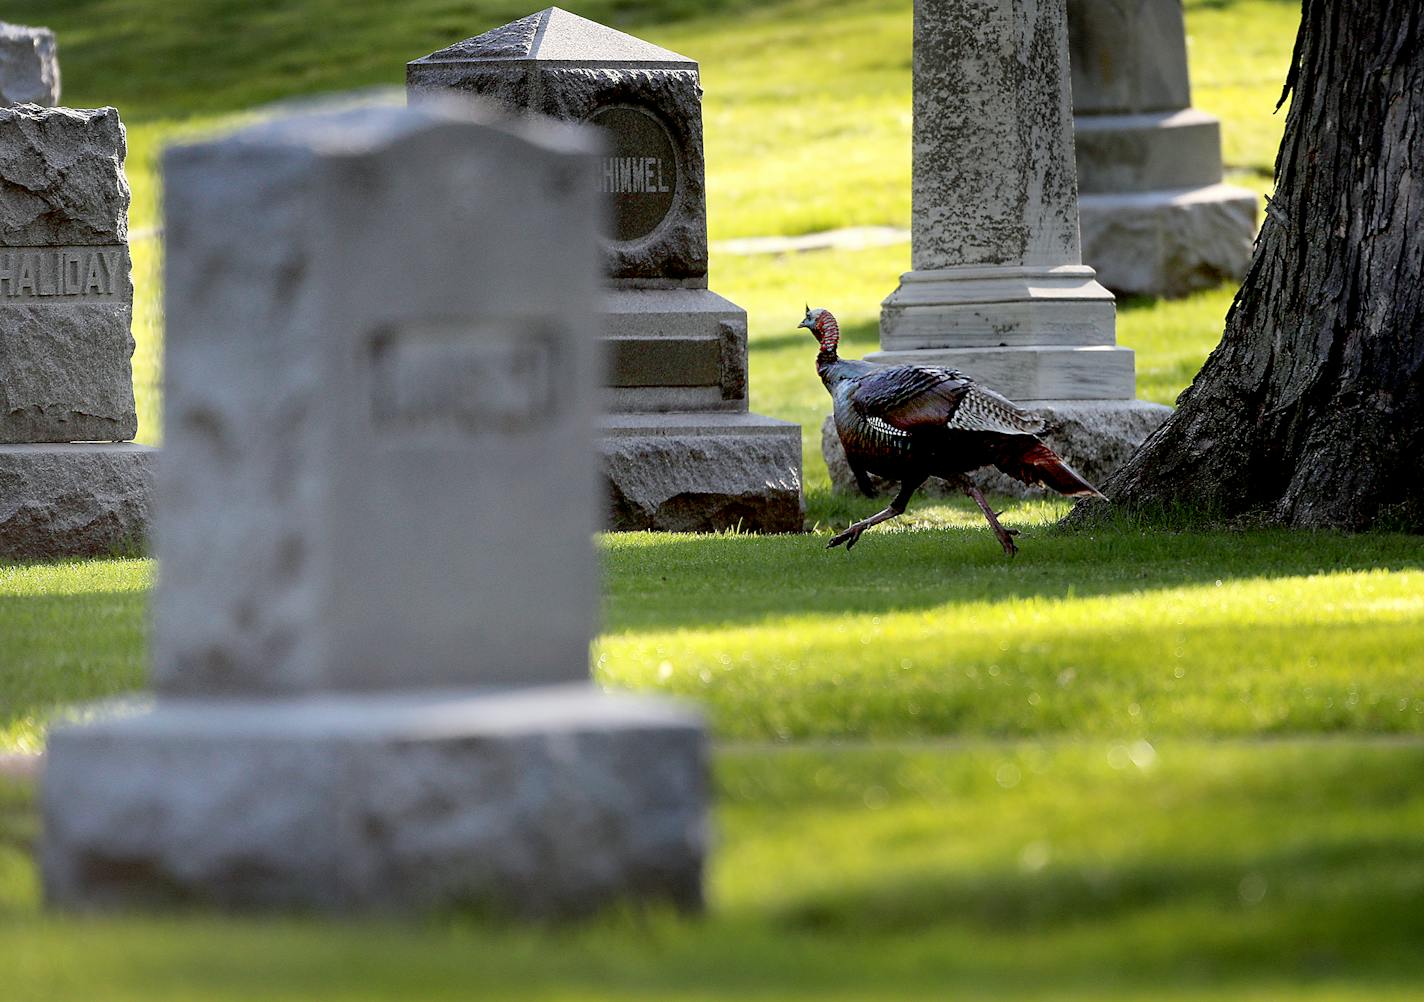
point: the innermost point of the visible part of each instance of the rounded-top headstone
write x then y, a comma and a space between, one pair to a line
29, 66
646, 100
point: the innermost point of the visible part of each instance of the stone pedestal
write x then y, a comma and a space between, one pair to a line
375, 522
1156, 219
67, 488
29, 66
686, 473
83, 499
677, 351
999, 290
540, 804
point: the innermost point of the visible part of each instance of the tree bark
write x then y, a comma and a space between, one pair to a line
1310, 412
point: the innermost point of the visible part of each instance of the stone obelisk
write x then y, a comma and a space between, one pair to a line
998, 288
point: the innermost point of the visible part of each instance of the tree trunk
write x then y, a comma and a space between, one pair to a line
1311, 410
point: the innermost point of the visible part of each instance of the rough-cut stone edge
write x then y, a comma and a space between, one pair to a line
81, 500
1095, 437
1170, 242
545, 803
700, 472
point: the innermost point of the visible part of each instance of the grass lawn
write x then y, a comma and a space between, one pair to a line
1134, 763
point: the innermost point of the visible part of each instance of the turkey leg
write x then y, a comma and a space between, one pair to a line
1005, 535
896, 507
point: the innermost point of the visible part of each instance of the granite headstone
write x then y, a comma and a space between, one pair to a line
680, 449
65, 342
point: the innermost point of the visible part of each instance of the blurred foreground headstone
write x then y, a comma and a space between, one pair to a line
681, 451
70, 484
377, 579
29, 66
1156, 219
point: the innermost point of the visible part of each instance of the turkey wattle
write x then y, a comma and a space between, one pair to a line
908, 423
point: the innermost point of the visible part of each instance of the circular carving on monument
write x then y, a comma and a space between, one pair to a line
640, 172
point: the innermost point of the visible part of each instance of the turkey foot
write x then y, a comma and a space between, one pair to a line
851, 535
897, 507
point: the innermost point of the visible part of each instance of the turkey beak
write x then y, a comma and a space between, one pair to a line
808, 324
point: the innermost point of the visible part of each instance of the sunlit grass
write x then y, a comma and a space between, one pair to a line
926, 629
71, 632
980, 870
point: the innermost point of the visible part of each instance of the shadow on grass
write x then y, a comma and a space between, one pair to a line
1300, 908
697, 581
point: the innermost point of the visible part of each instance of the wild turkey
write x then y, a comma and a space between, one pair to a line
911, 422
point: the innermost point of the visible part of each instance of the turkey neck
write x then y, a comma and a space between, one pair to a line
831, 368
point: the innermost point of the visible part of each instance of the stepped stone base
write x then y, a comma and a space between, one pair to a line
1036, 372
76, 500
1095, 437
1169, 243
986, 306
540, 803
702, 472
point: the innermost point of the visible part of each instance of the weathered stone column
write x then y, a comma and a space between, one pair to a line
681, 450
29, 66
1156, 219
71, 483
378, 582
998, 288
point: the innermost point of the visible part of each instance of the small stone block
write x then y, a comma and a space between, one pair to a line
83, 500
1170, 243
29, 66
538, 804
695, 472
709, 371
1124, 153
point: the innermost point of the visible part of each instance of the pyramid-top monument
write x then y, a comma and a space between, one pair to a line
681, 449
553, 35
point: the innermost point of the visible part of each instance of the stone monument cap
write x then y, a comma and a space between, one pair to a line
646, 101
553, 35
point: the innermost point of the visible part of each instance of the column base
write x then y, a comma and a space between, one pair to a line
1037, 372
981, 306
74, 500
535, 803
1169, 243
1095, 437
702, 472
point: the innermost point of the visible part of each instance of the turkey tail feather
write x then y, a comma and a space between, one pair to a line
1039, 465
